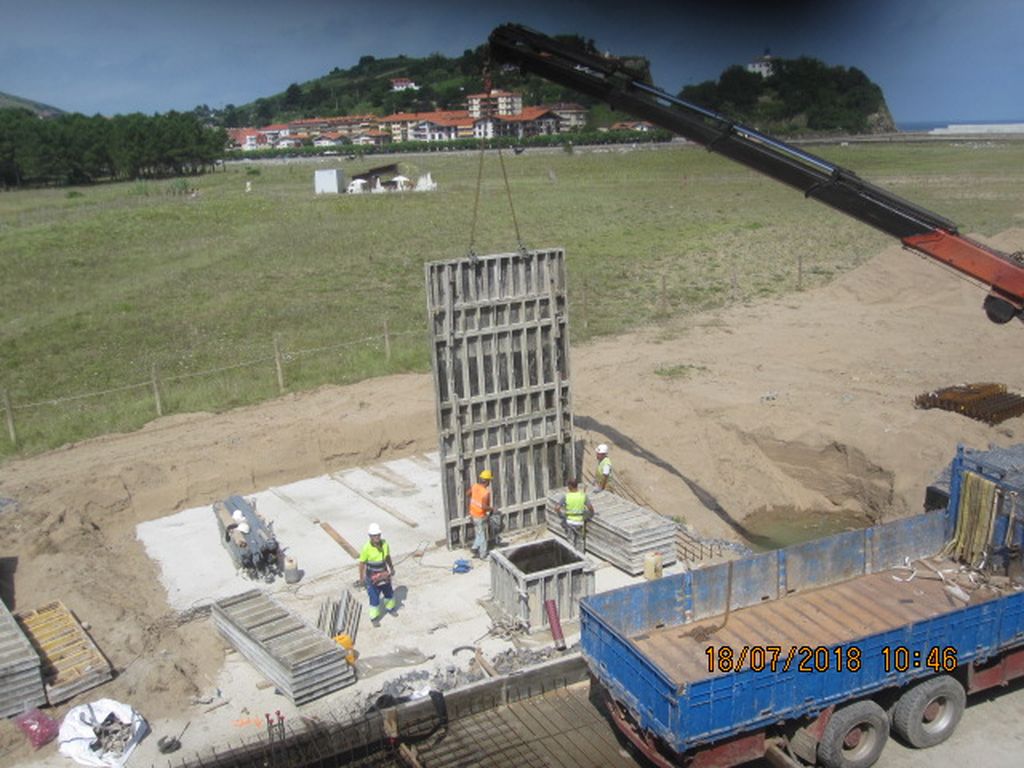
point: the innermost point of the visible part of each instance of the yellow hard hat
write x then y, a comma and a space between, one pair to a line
486, 475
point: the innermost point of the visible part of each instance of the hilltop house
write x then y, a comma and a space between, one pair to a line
763, 65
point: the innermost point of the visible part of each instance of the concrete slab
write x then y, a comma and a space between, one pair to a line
439, 611
402, 496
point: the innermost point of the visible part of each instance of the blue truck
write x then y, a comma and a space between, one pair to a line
812, 654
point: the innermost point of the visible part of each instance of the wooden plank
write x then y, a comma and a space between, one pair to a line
341, 540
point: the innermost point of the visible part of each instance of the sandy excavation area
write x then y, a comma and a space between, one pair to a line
802, 405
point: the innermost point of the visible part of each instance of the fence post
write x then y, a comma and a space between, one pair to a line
156, 392
278, 365
387, 342
586, 322
9, 414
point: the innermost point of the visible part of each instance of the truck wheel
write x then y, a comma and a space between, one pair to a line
929, 712
854, 737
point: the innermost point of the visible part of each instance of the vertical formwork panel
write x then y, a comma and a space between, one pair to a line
500, 360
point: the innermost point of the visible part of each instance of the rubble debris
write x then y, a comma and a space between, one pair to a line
102, 733
987, 402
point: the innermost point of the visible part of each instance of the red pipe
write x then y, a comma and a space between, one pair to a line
555, 624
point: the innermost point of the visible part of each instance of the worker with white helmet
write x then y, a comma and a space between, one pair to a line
375, 571
604, 468
480, 509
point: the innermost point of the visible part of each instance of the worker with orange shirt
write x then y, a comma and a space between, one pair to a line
480, 509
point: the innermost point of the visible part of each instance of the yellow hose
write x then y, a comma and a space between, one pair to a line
975, 518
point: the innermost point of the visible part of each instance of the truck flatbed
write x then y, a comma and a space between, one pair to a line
835, 615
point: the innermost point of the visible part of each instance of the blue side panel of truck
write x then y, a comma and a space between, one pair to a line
667, 695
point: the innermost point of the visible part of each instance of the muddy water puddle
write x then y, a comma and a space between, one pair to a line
777, 527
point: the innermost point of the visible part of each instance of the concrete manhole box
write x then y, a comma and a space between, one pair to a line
524, 577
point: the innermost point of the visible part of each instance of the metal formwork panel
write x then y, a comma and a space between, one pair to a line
21, 676
500, 355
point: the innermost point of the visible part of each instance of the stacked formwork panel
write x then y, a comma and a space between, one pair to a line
300, 660
21, 674
500, 354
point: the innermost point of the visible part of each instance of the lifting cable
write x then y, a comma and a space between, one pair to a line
486, 112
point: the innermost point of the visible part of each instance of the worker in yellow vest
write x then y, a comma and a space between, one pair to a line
576, 511
603, 475
375, 571
480, 509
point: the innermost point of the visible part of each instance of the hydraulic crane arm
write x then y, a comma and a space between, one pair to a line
919, 229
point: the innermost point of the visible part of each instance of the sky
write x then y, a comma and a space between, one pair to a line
936, 60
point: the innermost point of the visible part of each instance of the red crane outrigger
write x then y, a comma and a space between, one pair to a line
919, 229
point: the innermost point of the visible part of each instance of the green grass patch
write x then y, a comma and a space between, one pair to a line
101, 286
679, 371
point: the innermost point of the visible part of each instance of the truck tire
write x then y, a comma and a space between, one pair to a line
854, 737
928, 713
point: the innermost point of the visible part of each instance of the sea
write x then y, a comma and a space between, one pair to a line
963, 126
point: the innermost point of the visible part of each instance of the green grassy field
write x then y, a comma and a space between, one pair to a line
103, 284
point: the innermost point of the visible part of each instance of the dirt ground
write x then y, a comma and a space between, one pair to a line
801, 406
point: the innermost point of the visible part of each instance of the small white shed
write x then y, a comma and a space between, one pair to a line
328, 182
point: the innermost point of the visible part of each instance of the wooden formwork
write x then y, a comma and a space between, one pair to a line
71, 661
500, 355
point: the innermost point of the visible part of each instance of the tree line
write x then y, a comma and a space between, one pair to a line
75, 149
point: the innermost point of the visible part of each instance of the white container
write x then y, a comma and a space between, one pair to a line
291, 570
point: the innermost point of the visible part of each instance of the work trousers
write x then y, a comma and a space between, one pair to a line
574, 533
375, 592
480, 526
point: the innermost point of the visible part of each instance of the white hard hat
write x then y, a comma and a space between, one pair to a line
374, 529
237, 516
243, 527
602, 448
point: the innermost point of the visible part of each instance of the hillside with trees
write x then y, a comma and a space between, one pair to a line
442, 83
800, 96
7, 101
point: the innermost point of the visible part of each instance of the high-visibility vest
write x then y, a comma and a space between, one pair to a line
479, 500
575, 506
604, 468
375, 557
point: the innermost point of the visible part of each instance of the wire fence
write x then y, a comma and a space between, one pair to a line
640, 297
46, 423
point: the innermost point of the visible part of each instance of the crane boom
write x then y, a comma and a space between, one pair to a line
919, 229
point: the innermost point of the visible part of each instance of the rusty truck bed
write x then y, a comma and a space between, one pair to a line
828, 616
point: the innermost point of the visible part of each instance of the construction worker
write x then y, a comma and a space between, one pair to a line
480, 509
604, 469
375, 571
576, 511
